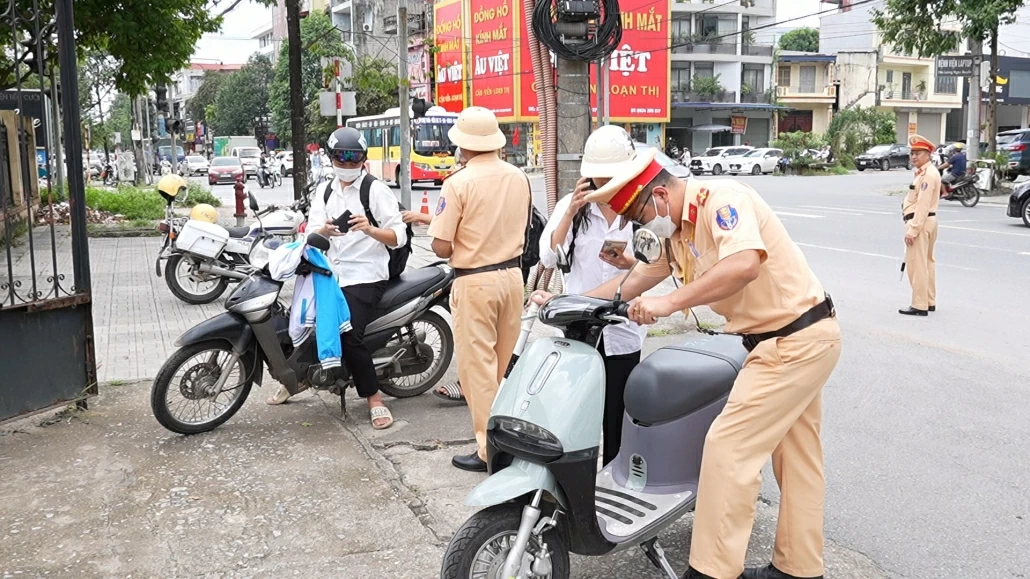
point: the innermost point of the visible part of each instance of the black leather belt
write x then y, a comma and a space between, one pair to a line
513, 262
908, 217
818, 313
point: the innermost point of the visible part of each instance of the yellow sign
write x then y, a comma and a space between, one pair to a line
911, 129
738, 125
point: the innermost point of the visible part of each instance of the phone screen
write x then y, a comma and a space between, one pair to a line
343, 222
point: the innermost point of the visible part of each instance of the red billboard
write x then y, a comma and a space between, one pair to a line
449, 61
639, 69
527, 82
492, 68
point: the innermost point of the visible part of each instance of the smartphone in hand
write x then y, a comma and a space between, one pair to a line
343, 222
613, 248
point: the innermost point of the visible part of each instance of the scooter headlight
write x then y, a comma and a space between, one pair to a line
523, 439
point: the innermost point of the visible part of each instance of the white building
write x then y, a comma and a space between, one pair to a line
268, 44
742, 66
186, 82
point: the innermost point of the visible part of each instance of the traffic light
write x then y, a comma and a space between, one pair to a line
175, 127
419, 107
162, 98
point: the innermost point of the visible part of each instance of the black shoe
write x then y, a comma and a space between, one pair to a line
769, 572
469, 462
912, 312
693, 573
933, 308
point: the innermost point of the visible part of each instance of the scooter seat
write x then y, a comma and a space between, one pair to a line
238, 232
677, 380
408, 286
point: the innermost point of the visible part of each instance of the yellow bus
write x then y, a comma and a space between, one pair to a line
432, 154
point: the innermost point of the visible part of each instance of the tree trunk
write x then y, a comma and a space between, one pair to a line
300, 168
992, 115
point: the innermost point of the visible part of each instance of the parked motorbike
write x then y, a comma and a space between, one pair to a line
963, 190
544, 497
208, 378
203, 258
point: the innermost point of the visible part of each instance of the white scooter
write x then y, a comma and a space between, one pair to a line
203, 258
545, 497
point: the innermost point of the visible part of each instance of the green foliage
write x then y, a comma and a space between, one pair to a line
320, 40
196, 194
801, 40
375, 80
852, 131
132, 202
913, 26
707, 86
795, 144
204, 99
243, 97
1001, 164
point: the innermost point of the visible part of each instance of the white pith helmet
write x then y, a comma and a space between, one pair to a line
607, 152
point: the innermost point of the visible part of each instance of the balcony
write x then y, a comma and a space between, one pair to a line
757, 50
711, 48
828, 92
757, 97
682, 96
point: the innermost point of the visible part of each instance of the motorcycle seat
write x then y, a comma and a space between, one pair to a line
678, 380
238, 232
408, 286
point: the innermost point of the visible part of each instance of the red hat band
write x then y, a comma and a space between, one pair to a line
624, 198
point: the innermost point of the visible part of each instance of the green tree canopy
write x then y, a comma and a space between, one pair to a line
320, 39
801, 40
852, 131
206, 95
243, 97
376, 83
914, 26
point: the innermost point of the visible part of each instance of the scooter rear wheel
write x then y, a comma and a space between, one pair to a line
442, 345
480, 546
177, 276
973, 196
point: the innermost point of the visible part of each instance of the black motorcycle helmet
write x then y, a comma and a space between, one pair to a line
347, 145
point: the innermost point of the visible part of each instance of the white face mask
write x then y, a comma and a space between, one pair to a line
347, 175
662, 226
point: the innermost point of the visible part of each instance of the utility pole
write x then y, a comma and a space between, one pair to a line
300, 168
992, 136
973, 105
404, 93
573, 121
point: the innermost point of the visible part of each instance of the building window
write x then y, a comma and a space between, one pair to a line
946, 85
784, 76
704, 69
680, 79
807, 79
890, 77
754, 77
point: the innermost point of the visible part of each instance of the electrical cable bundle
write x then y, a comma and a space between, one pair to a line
573, 30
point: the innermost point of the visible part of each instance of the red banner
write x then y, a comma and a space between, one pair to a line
493, 71
449, 61
527, 82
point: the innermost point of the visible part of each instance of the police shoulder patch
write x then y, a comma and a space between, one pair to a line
726, 217
441, 205
702, 196
923, 188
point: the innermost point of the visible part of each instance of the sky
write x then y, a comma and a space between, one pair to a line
234, 46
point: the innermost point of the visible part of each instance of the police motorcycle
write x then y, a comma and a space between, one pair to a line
544, 497
202, 257
208, 378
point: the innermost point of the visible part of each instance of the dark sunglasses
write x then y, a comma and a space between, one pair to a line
347, 156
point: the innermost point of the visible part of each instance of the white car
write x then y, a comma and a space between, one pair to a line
756, 162
285, 161
196, 164
250, 158
715, 160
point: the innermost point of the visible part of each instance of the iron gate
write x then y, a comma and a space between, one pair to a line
46, 318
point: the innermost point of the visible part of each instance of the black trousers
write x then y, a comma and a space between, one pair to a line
362, 300
616, 371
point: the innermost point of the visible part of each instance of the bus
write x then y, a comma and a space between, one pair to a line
432, 154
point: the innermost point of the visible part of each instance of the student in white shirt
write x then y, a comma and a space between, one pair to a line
359, 257
590, 267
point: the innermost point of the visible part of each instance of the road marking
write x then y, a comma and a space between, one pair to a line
985, 230
939, 242
862, 210
835, 211
805, 215
867, 254
1024, 253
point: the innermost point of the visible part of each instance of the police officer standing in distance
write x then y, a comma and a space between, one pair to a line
733, 253
919, 212
480, 224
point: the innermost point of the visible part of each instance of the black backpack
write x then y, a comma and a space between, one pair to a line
399, 256
534, 229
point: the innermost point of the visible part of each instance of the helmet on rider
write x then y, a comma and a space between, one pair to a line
347, 145
204, 212
170, 186
608, 152
959, 146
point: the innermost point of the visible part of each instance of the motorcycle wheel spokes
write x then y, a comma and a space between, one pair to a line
191, 397
193, 282
435, 341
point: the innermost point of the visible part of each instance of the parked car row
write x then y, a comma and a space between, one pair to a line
736, 160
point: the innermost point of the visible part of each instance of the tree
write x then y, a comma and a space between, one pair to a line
801, 40
796, 145
914, 27
96, 82
375, 82
852, 131
206, 95
243, 97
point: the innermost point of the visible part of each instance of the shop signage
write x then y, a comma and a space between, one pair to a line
738, 125
493, 79
449, 62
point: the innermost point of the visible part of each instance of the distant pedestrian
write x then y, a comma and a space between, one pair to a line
919, 212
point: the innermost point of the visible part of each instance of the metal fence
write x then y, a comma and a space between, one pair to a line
46, 323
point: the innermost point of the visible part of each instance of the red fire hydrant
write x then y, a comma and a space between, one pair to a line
241, 196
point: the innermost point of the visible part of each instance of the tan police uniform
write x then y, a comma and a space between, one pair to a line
919, 210
483, 211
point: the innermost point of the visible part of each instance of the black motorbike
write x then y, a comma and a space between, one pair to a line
207, 380
964, 190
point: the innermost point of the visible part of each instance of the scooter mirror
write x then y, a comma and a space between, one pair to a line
253, 202
647, 247
318, 241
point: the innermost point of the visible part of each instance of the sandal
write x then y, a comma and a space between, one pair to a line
451, 393
280, 397
378, 413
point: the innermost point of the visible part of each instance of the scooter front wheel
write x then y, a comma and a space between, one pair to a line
480, 546
972, 197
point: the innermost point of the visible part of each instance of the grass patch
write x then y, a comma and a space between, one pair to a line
131, 202
822, 172
198, 195
133, 228
18, 232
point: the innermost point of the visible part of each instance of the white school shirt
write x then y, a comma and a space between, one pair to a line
588, 271
356, 257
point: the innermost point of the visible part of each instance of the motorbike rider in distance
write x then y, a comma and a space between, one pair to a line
358, 254
954, 168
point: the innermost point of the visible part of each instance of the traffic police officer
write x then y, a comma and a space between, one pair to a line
919, 210
733, 253
480, 224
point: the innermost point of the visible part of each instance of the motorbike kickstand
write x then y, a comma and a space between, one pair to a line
656, 555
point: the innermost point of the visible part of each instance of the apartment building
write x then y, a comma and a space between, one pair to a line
268, 44
806, 85
873, 73
720, 71
186, 82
